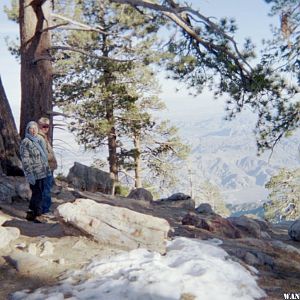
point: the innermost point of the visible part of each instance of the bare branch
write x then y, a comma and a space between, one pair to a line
87, 27
53, 27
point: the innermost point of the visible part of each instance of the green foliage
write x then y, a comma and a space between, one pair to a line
162, 152
281, 56
284, 196
13, 11
122, 190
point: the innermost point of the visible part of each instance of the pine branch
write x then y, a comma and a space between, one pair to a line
69, 48
177, 16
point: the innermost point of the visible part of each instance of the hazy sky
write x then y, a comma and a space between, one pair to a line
252, 20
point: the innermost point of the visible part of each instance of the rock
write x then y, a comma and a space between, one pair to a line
7, 191
204, 208
23, 190
21, 246
89, 179
8, 234
251, 259
255, 257
213, 223
286, 247
248, 227
140, 194
65, 195
114, 225
192, 219
188, 204
294, 230
4, 217
263, 259
177, 200
179, 196
13, 187
25, 263
265, 235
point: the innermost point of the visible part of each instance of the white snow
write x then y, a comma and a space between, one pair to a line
199, 268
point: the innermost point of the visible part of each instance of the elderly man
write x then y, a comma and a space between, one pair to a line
43, 124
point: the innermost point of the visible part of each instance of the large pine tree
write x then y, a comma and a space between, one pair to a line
109, 73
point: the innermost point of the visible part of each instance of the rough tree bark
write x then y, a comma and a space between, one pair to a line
10, 163
36, 68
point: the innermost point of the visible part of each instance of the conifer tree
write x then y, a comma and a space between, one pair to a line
112, 95
284, 196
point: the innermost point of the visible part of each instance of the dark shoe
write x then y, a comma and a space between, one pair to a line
30, 216
40, 219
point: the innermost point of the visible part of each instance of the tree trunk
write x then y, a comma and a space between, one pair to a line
112, 154
36, 68
109, 107
10, 163
137, 162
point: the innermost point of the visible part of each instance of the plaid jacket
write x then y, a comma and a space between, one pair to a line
32, 162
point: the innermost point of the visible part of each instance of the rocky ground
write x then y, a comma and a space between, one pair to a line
43, 253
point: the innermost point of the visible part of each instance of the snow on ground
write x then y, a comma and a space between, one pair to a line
199, 268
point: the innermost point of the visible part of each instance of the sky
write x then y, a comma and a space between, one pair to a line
252, 19
190, 267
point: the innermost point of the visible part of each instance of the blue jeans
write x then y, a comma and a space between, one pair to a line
36, 201
47, 193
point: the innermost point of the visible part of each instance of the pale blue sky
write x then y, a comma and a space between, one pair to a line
252, 22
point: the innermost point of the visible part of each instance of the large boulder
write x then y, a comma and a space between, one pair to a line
89, 179
248, 227
178, 200
8, 234
141, 194
12, 188
294, 230
204, 208
212, 223
116, 226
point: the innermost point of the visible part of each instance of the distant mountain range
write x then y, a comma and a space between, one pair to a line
224, 153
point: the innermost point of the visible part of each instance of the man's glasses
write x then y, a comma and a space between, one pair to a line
45, 126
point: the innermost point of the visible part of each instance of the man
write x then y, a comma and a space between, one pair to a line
43, 124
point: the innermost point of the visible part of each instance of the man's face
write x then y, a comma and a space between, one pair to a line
44, 127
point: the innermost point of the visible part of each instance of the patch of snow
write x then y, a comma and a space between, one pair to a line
190, 266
